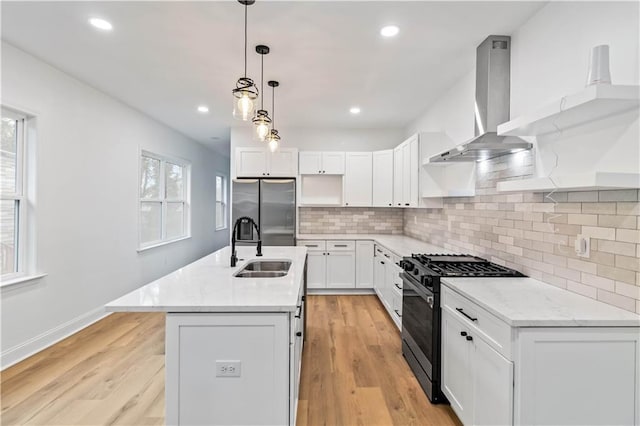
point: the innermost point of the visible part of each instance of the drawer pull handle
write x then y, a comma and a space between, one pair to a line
398, 313
382, 262
387, 256
340, 245
469, 338
311, 245
299, 333
299, 312
466, 315
397, 286
463, 333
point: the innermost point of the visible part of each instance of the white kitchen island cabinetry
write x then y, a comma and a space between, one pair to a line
518, 351
233, 345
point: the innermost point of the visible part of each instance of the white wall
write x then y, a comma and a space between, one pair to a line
549, 59
86, 189
320, 139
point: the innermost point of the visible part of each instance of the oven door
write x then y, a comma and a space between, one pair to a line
418, 322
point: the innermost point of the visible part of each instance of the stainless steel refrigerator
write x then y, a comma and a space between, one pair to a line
272, 204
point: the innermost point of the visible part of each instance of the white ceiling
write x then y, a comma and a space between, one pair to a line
165, 58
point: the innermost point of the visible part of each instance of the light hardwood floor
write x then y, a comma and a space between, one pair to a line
113, 373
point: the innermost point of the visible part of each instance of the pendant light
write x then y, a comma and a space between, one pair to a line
246, 91
273, 138
262, 120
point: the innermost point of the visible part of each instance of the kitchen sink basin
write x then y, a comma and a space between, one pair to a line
264, 269
260, 274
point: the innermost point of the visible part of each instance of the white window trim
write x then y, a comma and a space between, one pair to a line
25, 195
225, 203
163, 200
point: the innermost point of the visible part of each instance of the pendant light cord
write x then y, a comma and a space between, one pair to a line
245, 40
262, 81
273, 107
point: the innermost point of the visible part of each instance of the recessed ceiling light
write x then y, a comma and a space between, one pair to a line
389, 31
354, 110
203, 109
101, 24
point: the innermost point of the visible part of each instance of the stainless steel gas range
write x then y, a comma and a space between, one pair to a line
421, 311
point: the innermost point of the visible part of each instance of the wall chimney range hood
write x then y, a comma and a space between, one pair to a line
493, 72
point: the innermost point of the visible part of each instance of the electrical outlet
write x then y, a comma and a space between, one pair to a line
583, 246
228, 368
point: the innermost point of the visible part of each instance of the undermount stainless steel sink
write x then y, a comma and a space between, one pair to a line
264, 269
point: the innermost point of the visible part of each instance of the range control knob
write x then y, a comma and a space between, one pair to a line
415, 271
428, 281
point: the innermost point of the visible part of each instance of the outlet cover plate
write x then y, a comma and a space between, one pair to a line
226, 368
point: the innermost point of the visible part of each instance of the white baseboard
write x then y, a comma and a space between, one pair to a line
36, 344
340, 291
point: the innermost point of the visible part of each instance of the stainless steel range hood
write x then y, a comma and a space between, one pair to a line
493, 72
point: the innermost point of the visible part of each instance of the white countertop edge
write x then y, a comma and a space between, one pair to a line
203, 309
380, 239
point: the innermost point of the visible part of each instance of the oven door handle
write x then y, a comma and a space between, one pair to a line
423, 293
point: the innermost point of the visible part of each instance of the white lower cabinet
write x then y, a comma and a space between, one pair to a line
387, 283
364, 264
331, 264
495, 374
316, 270
341, 269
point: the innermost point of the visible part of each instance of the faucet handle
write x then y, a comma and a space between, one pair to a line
259, 248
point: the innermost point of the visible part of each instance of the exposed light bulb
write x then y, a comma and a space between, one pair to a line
262, 130
389, 31
244, 107
273, 145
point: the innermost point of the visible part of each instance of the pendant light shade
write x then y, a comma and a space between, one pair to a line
273, 138
262, 120
245, 92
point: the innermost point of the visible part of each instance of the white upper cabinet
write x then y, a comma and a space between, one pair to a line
397, 176
310, 163
322, 163
406, 167
283, 162
333, 163
251, 162
382, 178
260, 162
358, 179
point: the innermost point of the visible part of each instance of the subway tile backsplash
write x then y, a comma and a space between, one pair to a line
531, 232
350, 220
535, 233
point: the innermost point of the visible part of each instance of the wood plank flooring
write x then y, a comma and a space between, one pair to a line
353, 371
112, 373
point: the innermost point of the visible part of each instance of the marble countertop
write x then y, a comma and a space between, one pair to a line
208, 285
525, 302
401, 245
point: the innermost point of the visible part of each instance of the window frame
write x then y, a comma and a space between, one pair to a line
224, 202
164, 200
23, 197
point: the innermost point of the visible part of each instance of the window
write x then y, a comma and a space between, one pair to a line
13, 204
164, 199
221, 202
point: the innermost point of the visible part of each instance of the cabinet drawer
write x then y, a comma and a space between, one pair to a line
496, 332
341, 245
396, 309
313, 245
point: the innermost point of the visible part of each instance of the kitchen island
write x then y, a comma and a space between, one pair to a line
233, 345
536, 354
